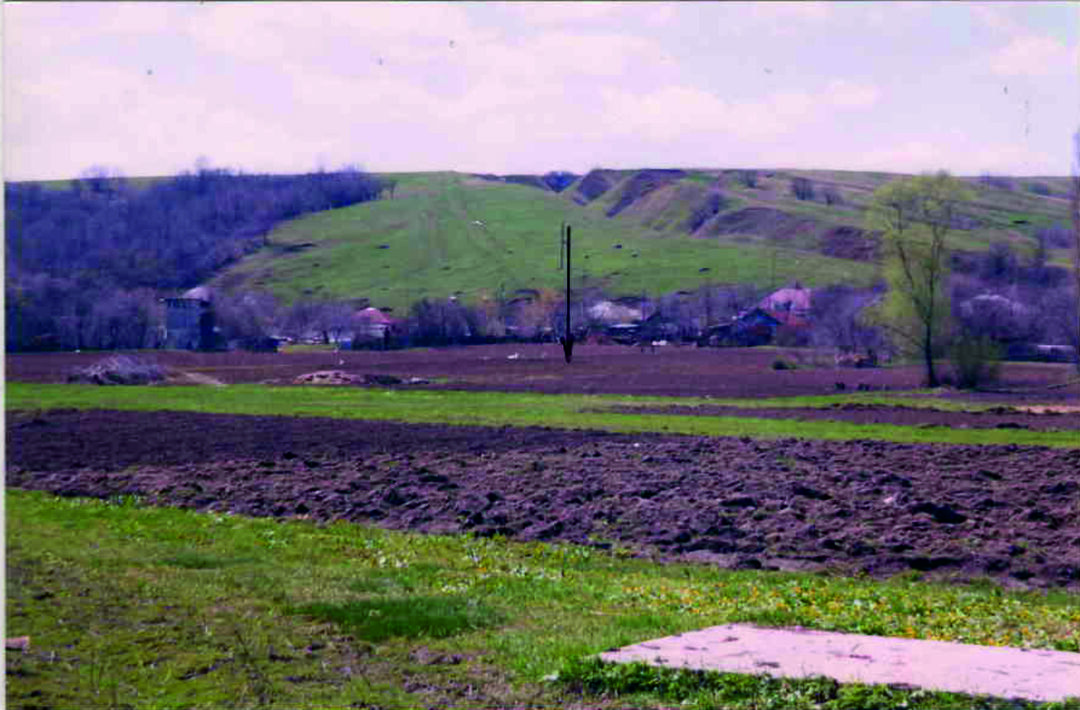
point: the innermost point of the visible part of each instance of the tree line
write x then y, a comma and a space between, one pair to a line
85, 264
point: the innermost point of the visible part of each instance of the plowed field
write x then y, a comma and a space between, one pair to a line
611, 369
1005, 511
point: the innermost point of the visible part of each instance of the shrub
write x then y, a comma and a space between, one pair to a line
782, 364
802, 188
749, 178
976, 361
1040, 188
119, 370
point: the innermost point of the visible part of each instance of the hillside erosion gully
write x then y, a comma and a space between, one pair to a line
1008, 512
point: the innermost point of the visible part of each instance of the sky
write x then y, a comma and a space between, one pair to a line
158, 88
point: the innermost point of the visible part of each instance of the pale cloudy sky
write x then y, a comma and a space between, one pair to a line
149, 88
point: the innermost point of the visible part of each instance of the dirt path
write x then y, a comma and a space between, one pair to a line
1006, 511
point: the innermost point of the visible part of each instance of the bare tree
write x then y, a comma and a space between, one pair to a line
1074, 210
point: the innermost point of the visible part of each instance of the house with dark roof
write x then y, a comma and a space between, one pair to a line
754, 327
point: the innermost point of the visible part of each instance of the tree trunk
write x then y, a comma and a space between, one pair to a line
928, 355
1074, 208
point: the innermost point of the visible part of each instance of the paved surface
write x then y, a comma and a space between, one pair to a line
849, 658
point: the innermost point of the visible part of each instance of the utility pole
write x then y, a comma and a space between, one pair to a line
568, 337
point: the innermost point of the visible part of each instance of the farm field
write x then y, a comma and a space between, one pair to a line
859, 506
686, 371
673, 489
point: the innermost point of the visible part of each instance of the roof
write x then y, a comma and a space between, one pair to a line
758, 314
613, 312
374, 315
199, 293
787, 299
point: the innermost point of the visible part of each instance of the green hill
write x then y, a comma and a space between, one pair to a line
657, 231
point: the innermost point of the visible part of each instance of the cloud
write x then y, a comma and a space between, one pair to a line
1033, 55
847, 94
306, 32
788, 18
677, 110
561, 13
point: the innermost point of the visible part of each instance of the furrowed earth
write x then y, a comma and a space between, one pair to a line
596, 369
956, 511
1007, 512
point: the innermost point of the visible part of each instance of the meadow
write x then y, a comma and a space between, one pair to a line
133, 606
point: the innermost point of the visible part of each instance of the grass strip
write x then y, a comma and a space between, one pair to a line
492, 409
134, 606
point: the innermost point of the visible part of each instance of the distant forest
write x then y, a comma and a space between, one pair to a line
85, 264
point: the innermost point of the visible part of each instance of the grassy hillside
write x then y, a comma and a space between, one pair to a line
426, 242
657, 231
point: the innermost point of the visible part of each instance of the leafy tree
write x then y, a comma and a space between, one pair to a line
915, 216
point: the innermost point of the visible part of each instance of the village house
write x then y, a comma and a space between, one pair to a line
189, 320
750, 328
372, 328
789, 306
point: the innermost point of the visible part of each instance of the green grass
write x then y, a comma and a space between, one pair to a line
132, 606
435, 250
509, 409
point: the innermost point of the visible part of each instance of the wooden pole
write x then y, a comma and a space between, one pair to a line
568, 337
567, 330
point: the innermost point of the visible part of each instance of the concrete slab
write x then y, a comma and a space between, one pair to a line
855, 658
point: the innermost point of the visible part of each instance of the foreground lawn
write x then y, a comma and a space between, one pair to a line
127, 606
512, 409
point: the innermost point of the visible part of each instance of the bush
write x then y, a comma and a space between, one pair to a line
749, 178
781, 364
1040, 188
802, 188
976, 361
119, 370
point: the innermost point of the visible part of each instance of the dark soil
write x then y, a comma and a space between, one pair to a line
1009, 512
600, 369
996, 418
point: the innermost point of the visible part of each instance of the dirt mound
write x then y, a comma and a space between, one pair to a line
642, 184
118, 370
325, 377
861, 506
763, 221
846, 242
